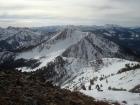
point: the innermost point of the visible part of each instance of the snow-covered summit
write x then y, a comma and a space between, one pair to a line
15, 37
54, 46
112, 26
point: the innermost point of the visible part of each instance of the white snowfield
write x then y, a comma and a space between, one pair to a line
112, 96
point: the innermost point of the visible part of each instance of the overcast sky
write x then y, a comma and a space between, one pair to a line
32, 13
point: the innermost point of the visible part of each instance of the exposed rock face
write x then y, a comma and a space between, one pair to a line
18, 88
136, 89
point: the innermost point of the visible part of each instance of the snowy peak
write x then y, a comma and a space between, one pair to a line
94, 46
112, 26
23, 35
63, 39
71, 27
15, 37
128, 37
54, 46
10, 28
69, 31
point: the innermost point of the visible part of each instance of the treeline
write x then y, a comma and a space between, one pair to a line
47, 71
129, 68
32, 63
116, 89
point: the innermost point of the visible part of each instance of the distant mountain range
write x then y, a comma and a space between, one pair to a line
13, 38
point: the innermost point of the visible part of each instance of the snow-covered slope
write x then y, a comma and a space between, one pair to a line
55, 46
104, 72
128, 37
6, 56
126, 80
74, 73
107, 69
94, 46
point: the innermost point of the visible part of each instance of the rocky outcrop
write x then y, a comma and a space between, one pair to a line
17, 88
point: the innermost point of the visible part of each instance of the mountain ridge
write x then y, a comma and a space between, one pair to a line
78, 60
15, 38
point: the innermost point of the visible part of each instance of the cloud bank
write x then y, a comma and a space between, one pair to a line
63, 12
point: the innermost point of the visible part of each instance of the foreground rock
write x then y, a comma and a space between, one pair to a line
18, 88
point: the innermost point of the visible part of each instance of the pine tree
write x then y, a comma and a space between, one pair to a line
83, 87
89, 88
106, 81
101, 85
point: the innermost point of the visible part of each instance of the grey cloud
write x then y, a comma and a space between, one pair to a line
5, 16
40, 0
104, 7
123, 12
14, 7
2, 21
125, 0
